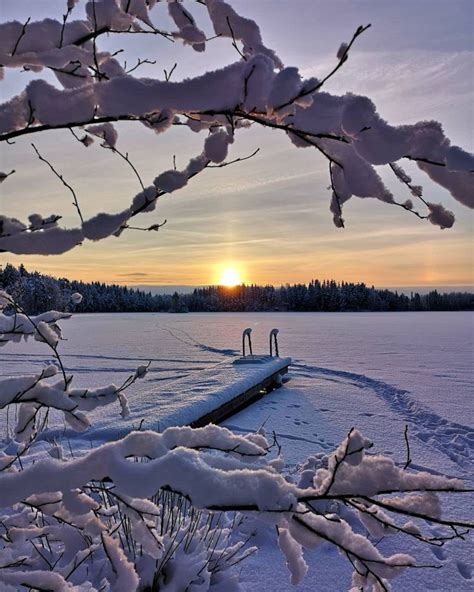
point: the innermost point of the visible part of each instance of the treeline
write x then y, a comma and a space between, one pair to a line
37, 293
325, 296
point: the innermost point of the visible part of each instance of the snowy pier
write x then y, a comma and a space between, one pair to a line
224, 389
213, 394
205, 396
254, 376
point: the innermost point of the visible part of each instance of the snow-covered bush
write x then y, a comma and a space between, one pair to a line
156, 511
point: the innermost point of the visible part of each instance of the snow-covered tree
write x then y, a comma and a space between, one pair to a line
137, 513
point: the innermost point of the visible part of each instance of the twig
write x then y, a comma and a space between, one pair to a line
139, 63
361, 29
168, 74
240, 159
426, 160
414, 212
416, 191
98, 73
246, 81
407, 442
234, 42
104, 30
336, 196
4, 176
126, 159
23, 31
155, 227
65, 17
61, 178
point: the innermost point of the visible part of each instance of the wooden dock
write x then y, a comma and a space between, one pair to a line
205, 396
212, 395
251, 393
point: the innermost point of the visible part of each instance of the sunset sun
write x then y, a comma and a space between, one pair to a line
230, 277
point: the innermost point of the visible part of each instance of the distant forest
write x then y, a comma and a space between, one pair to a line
37, 293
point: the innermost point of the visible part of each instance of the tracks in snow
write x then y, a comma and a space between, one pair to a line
189, 340
454, 440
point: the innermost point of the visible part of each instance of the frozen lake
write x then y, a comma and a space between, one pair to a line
376, 371
428, 354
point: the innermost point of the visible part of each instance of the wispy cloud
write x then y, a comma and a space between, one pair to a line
398, 80
133, 274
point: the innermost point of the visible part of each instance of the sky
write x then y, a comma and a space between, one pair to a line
267, 217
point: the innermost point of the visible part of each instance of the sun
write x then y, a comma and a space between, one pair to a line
230, 277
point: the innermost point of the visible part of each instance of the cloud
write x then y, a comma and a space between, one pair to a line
133, 274
406, 84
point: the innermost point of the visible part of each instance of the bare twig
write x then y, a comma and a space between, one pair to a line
127, 160
61, 178
4, 176
168, 74
426, 160
234, 42
139, 63
240, 159
65, 17
100, 75
22, 34
154, 227
343, 58
407, 442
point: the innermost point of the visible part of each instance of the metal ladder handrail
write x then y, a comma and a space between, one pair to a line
246, 333
273, 334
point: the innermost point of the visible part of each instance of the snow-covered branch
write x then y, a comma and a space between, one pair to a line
98, 92
214, 470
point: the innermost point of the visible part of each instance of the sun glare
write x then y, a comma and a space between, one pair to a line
230, 277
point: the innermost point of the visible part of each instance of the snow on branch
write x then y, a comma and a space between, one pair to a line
32, 394
44, 236
257, 89
235, 477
